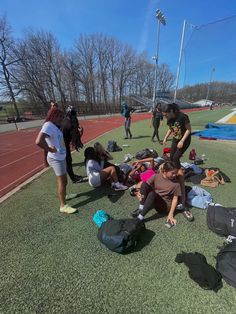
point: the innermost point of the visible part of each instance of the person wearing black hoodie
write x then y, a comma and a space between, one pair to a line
72, 133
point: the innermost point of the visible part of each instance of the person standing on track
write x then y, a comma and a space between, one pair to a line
50, 138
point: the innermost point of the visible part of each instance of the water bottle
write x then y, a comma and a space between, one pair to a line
203, 157
192, 154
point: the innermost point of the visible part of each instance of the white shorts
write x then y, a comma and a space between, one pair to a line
94, 179
59, 166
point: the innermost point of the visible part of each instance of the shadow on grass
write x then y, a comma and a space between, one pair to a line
98, 193
144, 240
141, 136
157, 215
78, 164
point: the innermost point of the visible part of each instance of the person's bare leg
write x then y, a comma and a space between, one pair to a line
61, 189
108, 172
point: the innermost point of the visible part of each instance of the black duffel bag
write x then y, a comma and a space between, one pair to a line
146, 153
226, 263
121, 236
222, 220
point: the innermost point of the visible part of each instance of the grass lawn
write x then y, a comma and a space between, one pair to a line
53, 263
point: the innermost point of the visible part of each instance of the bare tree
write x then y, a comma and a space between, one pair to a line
8, 61
42, 67
86, 66
165, 78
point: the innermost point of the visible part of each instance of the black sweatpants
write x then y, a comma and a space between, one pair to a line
156, 124
176, 153
69, 167
150, 199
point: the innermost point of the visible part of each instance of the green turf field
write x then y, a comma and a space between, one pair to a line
53, 263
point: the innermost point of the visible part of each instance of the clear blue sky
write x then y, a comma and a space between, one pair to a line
134, 22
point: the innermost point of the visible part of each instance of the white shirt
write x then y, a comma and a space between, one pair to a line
54, 139
94, 166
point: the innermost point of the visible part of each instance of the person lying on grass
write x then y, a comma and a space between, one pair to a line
50, 138
96, 172
142, 170
162, 191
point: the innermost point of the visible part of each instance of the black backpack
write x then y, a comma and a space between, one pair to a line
146, 153
121, 236
226, 263
113, 147
222, 220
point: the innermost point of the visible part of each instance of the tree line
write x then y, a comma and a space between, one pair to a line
219, 92
96, 72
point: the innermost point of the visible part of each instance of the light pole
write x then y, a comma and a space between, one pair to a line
160, 20
208, 87
180, 59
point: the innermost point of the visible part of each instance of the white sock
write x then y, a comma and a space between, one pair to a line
140, 206
140, 217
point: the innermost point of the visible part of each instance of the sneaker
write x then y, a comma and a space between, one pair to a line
135, 213
66, 209
71, 196
169, 225
188, 215
180, 206
214, 204
77, 179
133, 190
119, 187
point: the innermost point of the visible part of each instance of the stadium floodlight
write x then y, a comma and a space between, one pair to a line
160, 20
161, 17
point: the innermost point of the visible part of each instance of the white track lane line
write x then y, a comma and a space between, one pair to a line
13, 162
12, 183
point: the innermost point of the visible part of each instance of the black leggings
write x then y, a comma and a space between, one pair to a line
69, 167
176, 153
156, 124
150, 199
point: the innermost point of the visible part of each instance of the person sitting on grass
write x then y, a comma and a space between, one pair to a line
106, 156
50, 138
102, 153
161, 191
96, 172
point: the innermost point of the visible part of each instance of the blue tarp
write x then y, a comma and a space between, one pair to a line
216, 131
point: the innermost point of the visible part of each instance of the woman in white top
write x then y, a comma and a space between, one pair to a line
96, 172
50, 138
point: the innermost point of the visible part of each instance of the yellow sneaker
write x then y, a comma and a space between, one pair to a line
68, 210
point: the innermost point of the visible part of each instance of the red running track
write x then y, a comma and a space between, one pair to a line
20, 158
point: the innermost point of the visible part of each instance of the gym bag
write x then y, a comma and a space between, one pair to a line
146, 153
226, 263
113, 147
121, 236
213, 178
222, 220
